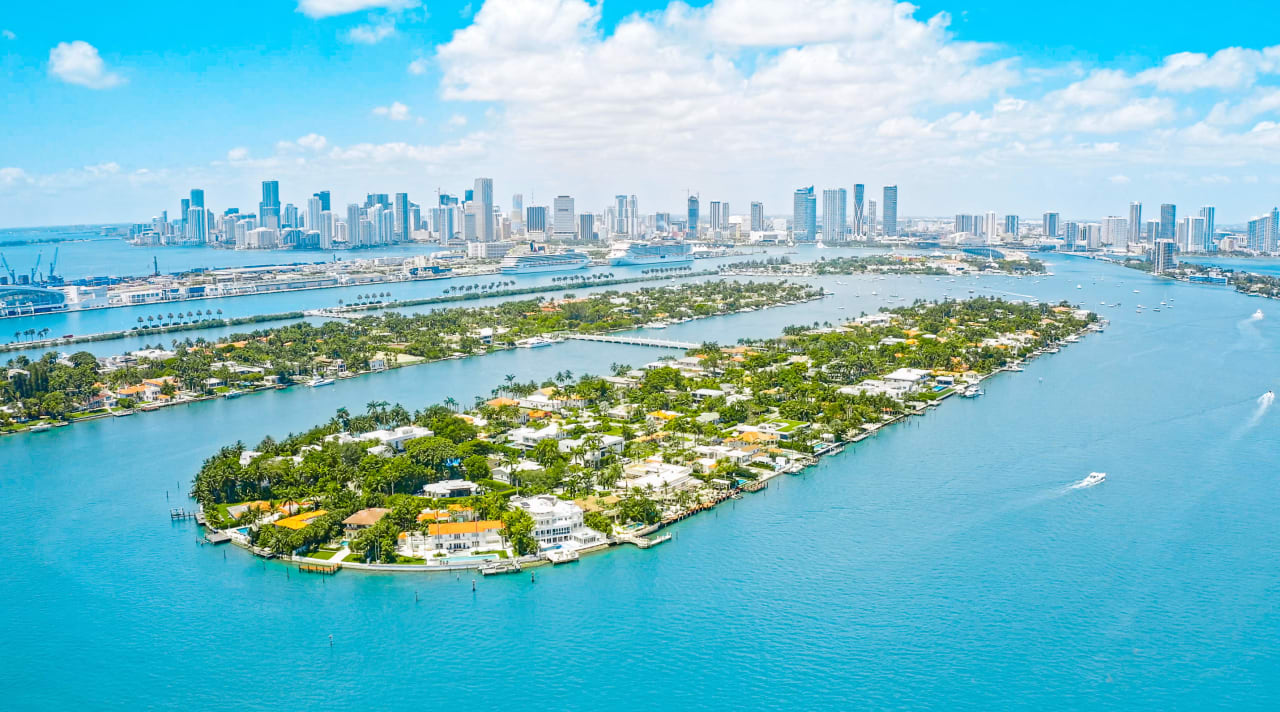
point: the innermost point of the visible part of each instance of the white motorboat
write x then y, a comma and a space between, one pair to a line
318, 382
973, 390
1094, 478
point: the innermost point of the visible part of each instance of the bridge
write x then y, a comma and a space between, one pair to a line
988, 252
634, 341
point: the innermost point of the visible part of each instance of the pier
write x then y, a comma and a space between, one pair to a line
179, 513
634, 341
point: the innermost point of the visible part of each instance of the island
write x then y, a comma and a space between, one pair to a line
543, 472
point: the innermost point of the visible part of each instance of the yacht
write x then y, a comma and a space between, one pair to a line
534, 342
318, 382
656, 325
1094, 478
1257, 314
40, 427
973, 390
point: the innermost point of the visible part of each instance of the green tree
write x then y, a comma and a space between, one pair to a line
518, 528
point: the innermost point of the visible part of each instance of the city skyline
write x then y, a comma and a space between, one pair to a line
446, 95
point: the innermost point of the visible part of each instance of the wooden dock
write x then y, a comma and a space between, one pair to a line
180, 513
323, 569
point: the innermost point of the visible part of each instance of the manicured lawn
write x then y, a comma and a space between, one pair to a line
321, 554
501, 554
409, 560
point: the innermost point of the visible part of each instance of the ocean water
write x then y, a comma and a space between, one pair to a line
945, 563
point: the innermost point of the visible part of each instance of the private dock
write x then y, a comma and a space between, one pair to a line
323, 569
180, 513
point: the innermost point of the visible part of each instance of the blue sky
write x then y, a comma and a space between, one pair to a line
1018, 107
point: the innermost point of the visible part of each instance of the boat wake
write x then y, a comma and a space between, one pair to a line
1264, 404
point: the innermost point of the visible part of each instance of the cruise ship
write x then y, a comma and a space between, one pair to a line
641, 253
532, 262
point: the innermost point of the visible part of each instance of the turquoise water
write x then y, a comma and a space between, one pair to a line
945, 563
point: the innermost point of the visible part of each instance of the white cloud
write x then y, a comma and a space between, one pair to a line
239, 153
1230, 68
8, 34
13, 175
317, 9
419, 66
457, 120
1119, 179
313, 141
372, 33
396, 111
79, 63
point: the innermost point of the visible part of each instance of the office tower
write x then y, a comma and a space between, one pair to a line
804, 218
586, 226
197, 198
483, 198
991, 227
373, 199
633, 216
692, 225
1051, 224
198, 229
1011, 225
354, 214
891, 210
619, 210
1135, 222
1115, 232
536, 218
858, 191
979, 225
1162, 256
1198, 240
724, 215
713, 216
963, 223
1071, 234
517, 203
184, 229
324, 200
469, 224
835, 214
1182, 234
402, 226
290, 218
757, 216
1168, 221
871, 217
662, 222
1207, 212
564, 220
415, 218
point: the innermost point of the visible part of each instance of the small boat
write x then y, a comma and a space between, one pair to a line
1079, 287
1135, 291
656, 325
231, 394
562, 556
1094, 478
318, 382
40, 427
1257, 314
121, 413
973, 390
534, 342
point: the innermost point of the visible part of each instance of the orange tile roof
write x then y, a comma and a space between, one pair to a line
501, 402
483, 525
367, 517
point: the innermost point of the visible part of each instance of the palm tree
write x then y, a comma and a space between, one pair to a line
451, 403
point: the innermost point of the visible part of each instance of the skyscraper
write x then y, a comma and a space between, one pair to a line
1168, 221
482, 197
713, 216
962, 223
1011, 225
586, 226
197, 227
1207, 212
402, 227
804, 218
724, 215
619, 215
1135, 222
692, 225
991, 226
324, 200
871, 217
858, 191
269, 208
633, 216
185, 211
835, 214
564, 221
1115, 232
313, 212
757, 216
1050, 225
891, 210
197, 198
535, 218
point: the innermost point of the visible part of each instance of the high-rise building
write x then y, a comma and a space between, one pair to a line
1151, 233
1162, 259
1070, 234
402, 228
197, 198
835, 214
619, 215
1011, 226
586, 226
328, 235
269, 208
1207, 212
871, 217
483, 201
1050, 225
1115, 232
991, 227
713, 217
891, 210
1091, 235
197, 227
1168, 221
724, 215
324, 200
313, 212
1135, 222
804, 215
535, 218
354, 214
692, 224
963, 223
185, 210
290, 218
564, 221
858, 191
633, 216
757, 216
1273, 234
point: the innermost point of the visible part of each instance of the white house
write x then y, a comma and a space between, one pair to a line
557, 523
527, 436
656, 475
452, 538
450, 488
608, 444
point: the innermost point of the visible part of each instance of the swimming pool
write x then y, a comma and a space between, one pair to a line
469, 558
